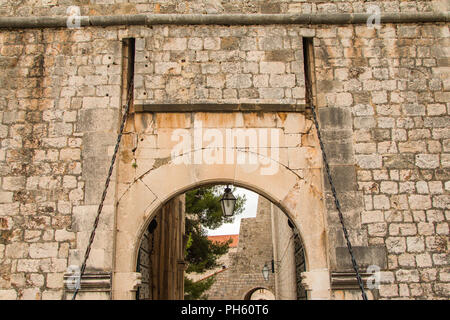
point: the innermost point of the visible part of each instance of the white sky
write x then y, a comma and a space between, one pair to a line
249, 211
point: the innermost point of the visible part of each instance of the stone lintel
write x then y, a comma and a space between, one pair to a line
364, 256
219, 107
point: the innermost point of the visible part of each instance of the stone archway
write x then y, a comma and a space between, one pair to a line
299, 197
149, 175
259, 293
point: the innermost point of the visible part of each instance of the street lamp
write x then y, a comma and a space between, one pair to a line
228, 202
265, 272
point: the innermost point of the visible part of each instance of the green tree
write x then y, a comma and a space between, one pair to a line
203, 210
195, 290
203, 204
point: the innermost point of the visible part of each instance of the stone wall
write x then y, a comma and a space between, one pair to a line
254, 251
58, 127
223, 262
383, 99
103, 7
264, 238
382, 96
227, 64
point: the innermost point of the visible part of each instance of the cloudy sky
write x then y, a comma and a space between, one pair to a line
249, 211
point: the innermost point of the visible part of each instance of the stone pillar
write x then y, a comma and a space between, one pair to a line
317, 284
128, 282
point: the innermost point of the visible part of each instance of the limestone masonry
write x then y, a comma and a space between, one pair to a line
382, 96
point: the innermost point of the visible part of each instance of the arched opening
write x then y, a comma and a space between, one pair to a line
259, 294
298, 196
270, 239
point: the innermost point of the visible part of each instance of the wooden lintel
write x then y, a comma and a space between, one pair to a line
219, 107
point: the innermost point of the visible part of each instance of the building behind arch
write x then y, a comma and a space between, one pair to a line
268, 240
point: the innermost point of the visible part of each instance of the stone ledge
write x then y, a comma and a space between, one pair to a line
219, 107
91, 282
222, 19
347, 280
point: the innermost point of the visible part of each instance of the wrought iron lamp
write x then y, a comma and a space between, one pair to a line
265, 272
228, 202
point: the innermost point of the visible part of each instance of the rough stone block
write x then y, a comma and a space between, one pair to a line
400, 161
271, 93
427, 161
282, 81
344, 178
238, 81
339, 153
334, 118
369, 161
175, 44
95, 120
43, 250
271, 67
8, 294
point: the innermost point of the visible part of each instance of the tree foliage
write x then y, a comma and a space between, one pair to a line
202, 254
203, 205
195, 290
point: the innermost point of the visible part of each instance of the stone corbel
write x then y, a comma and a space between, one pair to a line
92, 283
317, 284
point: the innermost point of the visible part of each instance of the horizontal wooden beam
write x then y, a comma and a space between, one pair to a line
219, 107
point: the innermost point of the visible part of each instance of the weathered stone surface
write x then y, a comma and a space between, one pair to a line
382, 101
369, 161
9, 294
97, 120
365, 256
335, 118
344, 178
243, 269
43, 250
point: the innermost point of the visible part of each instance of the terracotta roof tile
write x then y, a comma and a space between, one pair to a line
225, 238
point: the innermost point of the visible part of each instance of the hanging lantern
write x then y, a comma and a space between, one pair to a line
265, 272
228, 202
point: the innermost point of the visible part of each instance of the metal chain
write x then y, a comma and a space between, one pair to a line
108, 179
338, 205
105, 190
